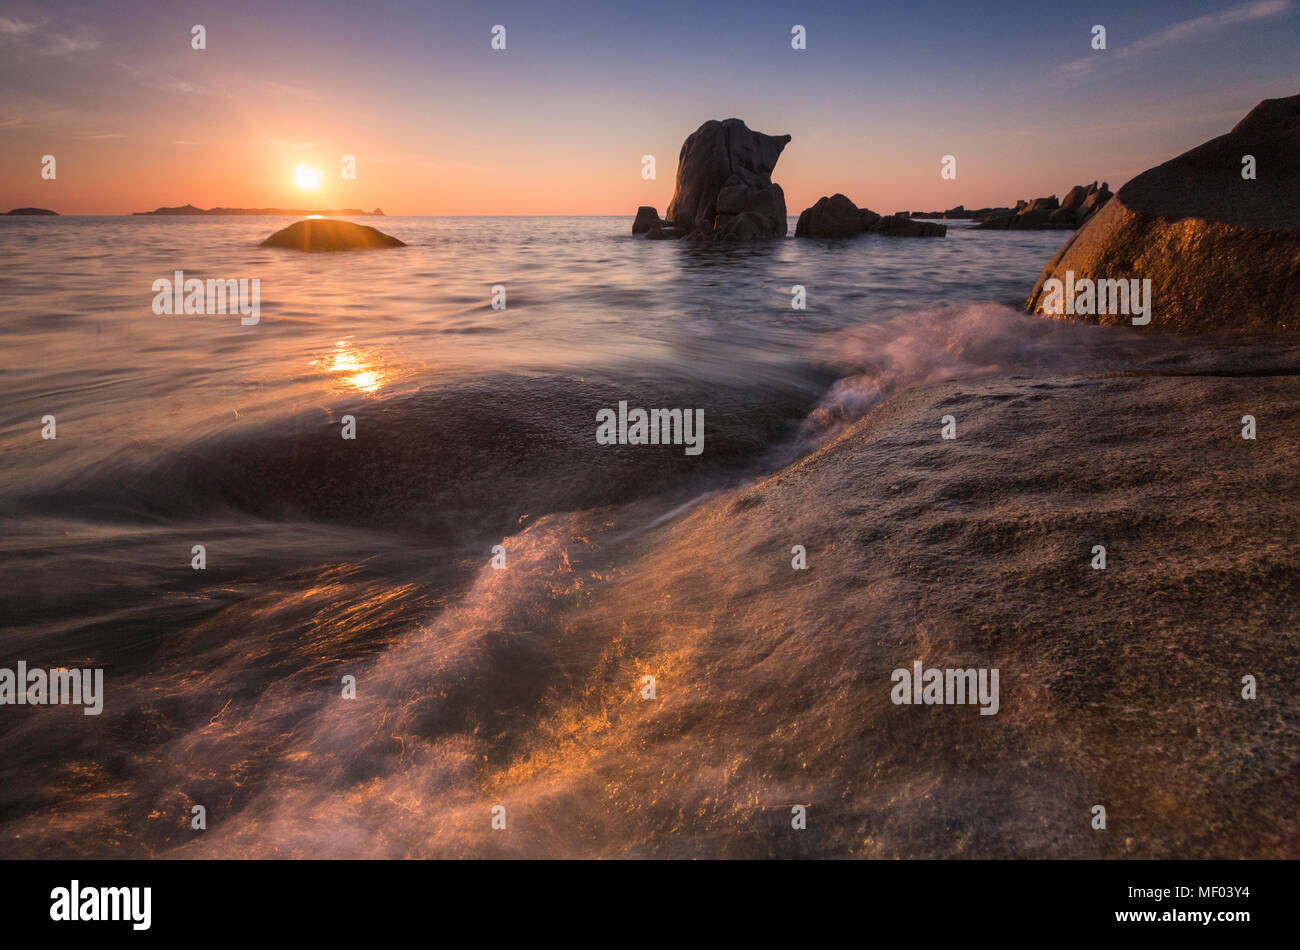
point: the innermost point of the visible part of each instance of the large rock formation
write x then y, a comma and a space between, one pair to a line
326, 234
39, 211
724, 186
837, 216
1221, 251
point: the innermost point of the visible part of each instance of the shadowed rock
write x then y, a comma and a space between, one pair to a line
901, 226
837, 217
1221, 251
832, 217
724, 183
327, 234
32, 211
1079, 205
647, 217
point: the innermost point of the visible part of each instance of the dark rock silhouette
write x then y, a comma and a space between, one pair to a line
901, 225
191, 209
724, 187
959, 213
1080, 203
832, 217
325, 234
32, 211
647, 217
837, 216
1221, 251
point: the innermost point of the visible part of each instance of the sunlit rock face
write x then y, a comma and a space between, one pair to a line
1221, 249
724, 183
327, 234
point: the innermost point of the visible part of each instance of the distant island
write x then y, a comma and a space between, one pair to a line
31, 211
190, 209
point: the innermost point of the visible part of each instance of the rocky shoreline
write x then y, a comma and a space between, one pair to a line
1221, 250
1079, 205
724, 192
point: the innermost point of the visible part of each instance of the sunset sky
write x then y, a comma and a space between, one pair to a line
557, 123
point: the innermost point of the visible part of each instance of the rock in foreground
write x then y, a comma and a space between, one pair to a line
327, 234
836, 216
1221, 251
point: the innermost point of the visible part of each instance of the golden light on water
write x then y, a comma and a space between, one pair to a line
354, 368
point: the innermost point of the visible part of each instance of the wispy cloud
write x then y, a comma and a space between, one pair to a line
12, 26
60, 44
1180, 33
33, 36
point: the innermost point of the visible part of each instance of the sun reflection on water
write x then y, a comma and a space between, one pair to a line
354, 368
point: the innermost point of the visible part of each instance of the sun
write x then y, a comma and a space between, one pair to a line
306, 177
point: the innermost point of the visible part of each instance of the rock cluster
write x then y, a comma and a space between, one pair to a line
836, 216
1080, 204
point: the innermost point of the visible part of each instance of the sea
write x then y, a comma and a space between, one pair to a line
361, 578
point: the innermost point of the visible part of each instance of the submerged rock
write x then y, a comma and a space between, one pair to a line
898, 226
724, 185
665, 232
328, 234
1221, 251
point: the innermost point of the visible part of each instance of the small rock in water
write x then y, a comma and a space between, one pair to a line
647, 217
328, 234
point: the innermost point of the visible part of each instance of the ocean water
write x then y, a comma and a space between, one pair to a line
410, 341
475, 427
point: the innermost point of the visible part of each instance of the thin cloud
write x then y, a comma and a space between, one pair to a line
1183, 32
60, 44
32, 36
12, 26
